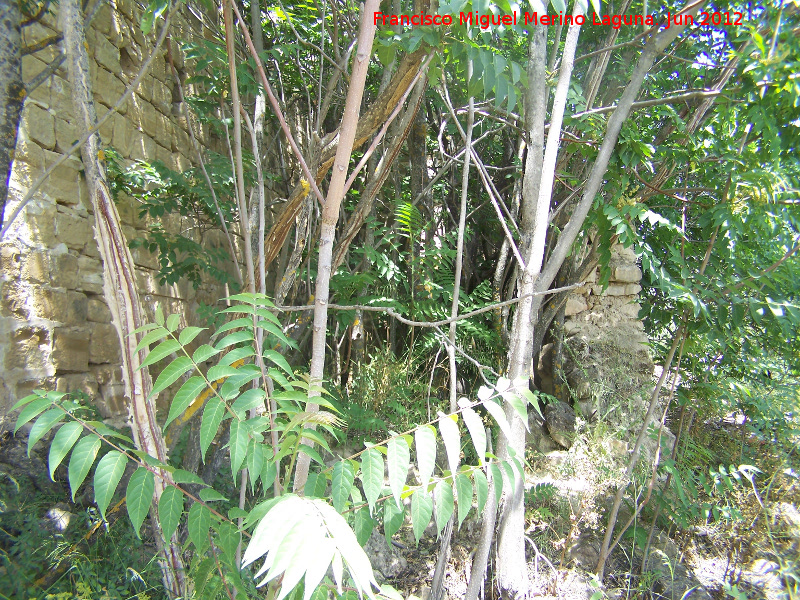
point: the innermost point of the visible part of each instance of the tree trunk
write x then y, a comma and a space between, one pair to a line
12, 91
120, 288
330, 215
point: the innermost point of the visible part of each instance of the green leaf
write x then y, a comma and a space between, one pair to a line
44, 424
187, 335
170, 507
171, 373
393, 519
255, 462
476, 432
213, 414
448, 428
481, 488
62, 443
184, 397
158, 334
421, 511
278, 359
199, 523
315, 485
31, 411
240, 436
425, 443
228, 539
498, 415
398, 460
443, 500
81, 461
211, 495
106, 478
160, 352
464, 491
139, 496
203, 353
341, 483
181, 476
372, 475
249, 399
234, 338
173, 322
363, 524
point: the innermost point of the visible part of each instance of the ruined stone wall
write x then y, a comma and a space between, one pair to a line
606, 360
55, 327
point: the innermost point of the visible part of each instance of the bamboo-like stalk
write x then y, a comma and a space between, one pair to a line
119, 286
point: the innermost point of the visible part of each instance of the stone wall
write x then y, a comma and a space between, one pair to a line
606, 360
55, 327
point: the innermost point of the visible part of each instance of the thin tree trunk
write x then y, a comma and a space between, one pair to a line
330, 215
120, 288
12, 91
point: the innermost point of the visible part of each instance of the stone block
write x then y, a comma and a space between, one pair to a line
32, 65
39, 125
15, 297
66, 185
107, 131
150, 124
107, 89
26, 386
103, 19
41, 224
123, 134
162, 95
111, 393
575, 304
83, 383
66, 135
104, 347
627, 273
106, 54
36, 266
98, 311
620, 253
631, 310
632, 289
60, 96
616, 289
29, 346
70, 349
90, 275
64, 271
73, 230
10, 260
163, 155
66, 307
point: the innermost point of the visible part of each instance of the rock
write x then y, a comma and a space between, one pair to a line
104, 347
70, 349
537, 438
585, 551
98, 311
575, 586
673, 580
575, 304
764, 576
560, 419
627, 273
57, 518
386, 560
67, 307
